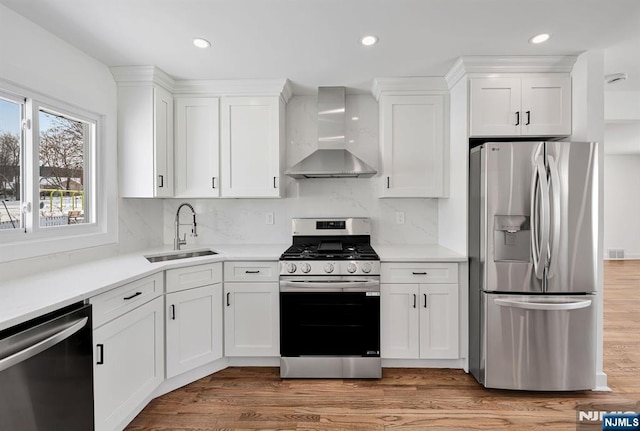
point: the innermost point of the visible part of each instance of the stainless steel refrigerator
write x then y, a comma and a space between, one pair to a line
533, 209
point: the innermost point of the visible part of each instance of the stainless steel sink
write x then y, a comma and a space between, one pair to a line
179, 255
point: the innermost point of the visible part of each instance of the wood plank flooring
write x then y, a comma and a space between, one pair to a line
405, 399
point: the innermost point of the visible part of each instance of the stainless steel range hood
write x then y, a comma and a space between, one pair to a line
331, 159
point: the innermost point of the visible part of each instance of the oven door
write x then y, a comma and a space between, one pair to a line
330, 316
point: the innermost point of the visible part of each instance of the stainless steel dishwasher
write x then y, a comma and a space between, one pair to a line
46, 373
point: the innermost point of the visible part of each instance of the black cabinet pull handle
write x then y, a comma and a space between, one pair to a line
414, 300
419, 273
252, 272
213, 182
387, 182
161, 177
518, 118
100, 348
173, 312
126, 298
425, 300
528, 118
274, 183
228, 302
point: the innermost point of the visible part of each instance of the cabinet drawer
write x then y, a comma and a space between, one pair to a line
116, 302
193, 276
251, 271
419, 272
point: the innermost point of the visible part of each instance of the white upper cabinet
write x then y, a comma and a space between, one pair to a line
252, 146
197, 147
529, 106
229, 135
145, 132
414, 137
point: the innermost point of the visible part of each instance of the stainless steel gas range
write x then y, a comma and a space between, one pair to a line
330, 301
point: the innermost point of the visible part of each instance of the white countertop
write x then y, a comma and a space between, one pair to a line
24, 298
417, 253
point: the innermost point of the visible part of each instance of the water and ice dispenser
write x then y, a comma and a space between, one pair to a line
511, 238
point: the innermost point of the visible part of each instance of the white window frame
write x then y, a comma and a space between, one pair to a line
23, 102
32, 240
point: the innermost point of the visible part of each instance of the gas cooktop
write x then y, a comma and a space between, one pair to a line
330, 250
338, 246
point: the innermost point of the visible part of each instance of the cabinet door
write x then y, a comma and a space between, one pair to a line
495, 107
439, 321
546, 106
194, 328
414, 145
129, 363
251, 146
399, 314
197, 147
163, 142
252, 319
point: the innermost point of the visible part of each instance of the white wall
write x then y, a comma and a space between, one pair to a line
39, 62
622, 172
622, 105
622, 203
234, 221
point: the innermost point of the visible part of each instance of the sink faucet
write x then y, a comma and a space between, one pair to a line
177, 242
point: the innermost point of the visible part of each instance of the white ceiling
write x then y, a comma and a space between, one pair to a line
316, 42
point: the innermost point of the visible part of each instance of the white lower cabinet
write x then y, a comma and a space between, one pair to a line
251, 309
194, 328
419, 320
129, 363
251, 319
193, 317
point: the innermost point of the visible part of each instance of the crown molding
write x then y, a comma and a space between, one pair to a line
243, 87
408, 85
494, 64
132, 76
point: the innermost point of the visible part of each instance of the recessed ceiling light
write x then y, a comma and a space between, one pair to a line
355, 118
539, 38
201, 43
369, 40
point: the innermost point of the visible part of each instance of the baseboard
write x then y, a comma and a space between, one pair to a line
601, 383
254, 362
191, 376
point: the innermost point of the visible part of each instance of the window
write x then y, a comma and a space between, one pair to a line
11, 145
47, 170
62, 146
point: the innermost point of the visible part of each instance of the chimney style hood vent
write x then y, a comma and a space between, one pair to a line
331, 159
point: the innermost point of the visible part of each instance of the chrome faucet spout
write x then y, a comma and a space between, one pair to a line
177, 242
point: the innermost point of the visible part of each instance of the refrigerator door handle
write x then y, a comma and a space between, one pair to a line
555, 189
540, 220
545, 306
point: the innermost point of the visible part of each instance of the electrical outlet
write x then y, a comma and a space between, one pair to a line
399, 217
269, 217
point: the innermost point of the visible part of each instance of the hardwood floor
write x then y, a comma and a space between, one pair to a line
406, 399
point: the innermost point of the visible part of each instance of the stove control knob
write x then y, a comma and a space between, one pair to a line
291, 268
328, 267
351, 267
305, 267
366, 267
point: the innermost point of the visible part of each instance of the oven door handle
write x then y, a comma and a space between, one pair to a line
329, 286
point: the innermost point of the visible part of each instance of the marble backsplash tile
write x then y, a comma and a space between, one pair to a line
244, 220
